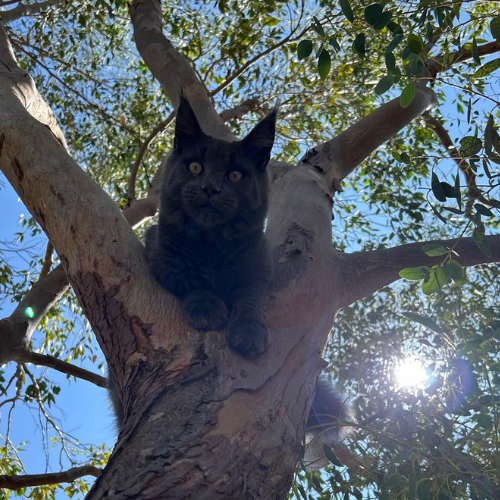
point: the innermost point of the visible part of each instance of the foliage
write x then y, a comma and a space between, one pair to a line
329, 63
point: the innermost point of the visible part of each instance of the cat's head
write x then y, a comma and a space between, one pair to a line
216, 181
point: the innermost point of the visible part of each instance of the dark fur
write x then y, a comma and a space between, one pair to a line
208, 248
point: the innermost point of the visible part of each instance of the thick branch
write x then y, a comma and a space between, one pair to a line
338, 157
363, 273
171, 69
26, 10
68, 476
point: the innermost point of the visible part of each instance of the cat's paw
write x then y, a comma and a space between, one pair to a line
204, 310
247, 336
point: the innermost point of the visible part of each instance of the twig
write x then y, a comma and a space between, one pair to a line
68, 476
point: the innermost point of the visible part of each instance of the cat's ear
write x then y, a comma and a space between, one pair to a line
259, 142
187, 129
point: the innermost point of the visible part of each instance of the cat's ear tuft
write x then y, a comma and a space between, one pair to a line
259, 142
187, 129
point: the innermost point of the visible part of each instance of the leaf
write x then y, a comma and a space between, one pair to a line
346, 10
495, 28
436, 280
487, 68
404, 158
437, 189
484, 421
359, 45
331, 456
316, 25
438, 215
407, 95
457, 190
475, 52
412, 486
483, 210
390, 61
448, 190
415, 273
488, 136
423, 320
434, 249
394, 43
481, 241
384, 84
423, 492
333, 42
403, 455
470, 145
455, 271
415, 43
324, 64
376, 17
304, 49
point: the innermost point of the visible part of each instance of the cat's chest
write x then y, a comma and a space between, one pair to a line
207, 250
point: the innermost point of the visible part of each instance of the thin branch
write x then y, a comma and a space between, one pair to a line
470, 176
47, 261
142, 151
363, 273
23, 10
68, 476
63, 366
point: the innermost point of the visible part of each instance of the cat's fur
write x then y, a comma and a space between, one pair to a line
208, 248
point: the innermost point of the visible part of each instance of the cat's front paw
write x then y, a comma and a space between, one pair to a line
204, 310
247, 336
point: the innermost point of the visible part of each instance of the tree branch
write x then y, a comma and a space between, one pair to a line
63, 367
338, 157
22, 10
363, 273
470, 176
68, 476
171, 69
47, 261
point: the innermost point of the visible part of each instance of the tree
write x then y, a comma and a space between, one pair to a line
201, 421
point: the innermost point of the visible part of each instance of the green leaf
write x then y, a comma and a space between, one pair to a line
483, 210
434, 249
333, 42
455, 271
470, 145
438, 215
436, 280
448, 190
394, 43
415, 43
488, 136
316, 25
346, 10
487, 68
457, 190
437, 189
407, 95
331, 456
495, 28
412, 484
304, 49
415, 273
404, 158
394, 480
423, 492
484, 421
324, 64
481, 241
375, 16
384, 84
423, 320
475, 52
359, 45
403, 455
390, 61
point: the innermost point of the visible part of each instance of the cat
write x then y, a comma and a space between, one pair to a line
208, 247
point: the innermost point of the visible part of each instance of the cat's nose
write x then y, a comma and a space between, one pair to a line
210, 187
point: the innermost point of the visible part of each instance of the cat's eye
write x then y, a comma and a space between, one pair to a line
195, 167
234, 176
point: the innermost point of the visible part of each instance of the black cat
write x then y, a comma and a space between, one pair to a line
208, 248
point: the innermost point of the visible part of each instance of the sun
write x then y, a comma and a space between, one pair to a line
410, 373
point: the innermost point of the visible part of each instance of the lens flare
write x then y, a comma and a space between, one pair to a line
410, 373
29, 312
